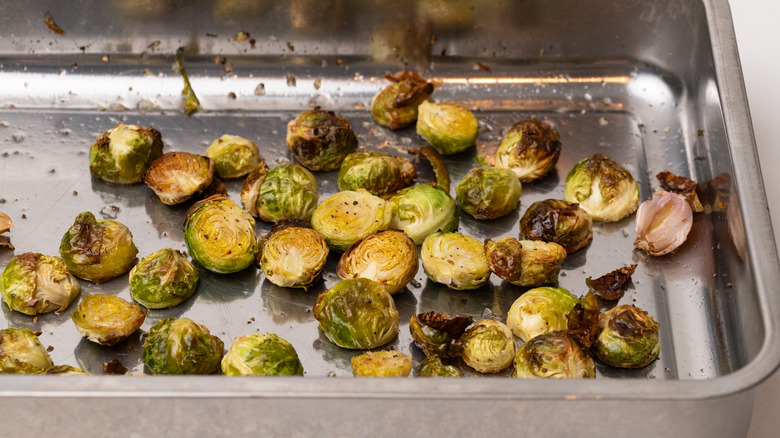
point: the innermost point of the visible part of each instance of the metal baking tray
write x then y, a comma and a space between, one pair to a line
655, 85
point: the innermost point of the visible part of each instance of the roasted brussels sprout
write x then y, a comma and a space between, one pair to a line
22, 353
527, 263
562, 222
107, 319
379, 173
610, 286
346, 217
627, 337
605, 190
387, 257
293, 257
423, 209
220, 235
122, 155
530, 149
288, 191
488, 192
432, 366
33, 283
663, 223
233, 156
553, 355
177, 176
261, 355
396, 105
448, 127
540, 310
455, 260
163, 279
357, 314
97, 250
382, 364
438, 333
66, 370
181, 346
488, 347
320, 140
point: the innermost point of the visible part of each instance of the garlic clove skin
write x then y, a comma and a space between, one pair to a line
663, 223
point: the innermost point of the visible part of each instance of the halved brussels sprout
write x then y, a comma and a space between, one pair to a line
553, 355
107, 319
540, 310
346, 217
122, 155
382, 364
455, 260
489, 192
261, 355
22, 353
432, 366
379, 173
583, 320
530, 149
320, 140
97, 250
423, 209
163, 279
438, 333
177, 176
488, 347
181, 346
604, 189
288, 191
293, 257
396, 105
387, 257
66, 370
357, 314
448, 127
527, 263
627, 337
233, 156
220, 235
562, 222
33, 283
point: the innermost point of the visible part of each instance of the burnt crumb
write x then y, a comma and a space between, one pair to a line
211, 35
49, 348
24, 216
52, 170
114, 367
48, 20
252, 42
290, 46
35, 319
75, 193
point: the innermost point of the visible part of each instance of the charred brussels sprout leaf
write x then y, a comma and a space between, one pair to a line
66, 370
610, 286
261, 355
107, 319
163, 279
448, 127
627, 337
181, 346
604, 189
22, 353
122, 155
488, 347
177, 176
382, 364
683, 187
233, 156
288, 191
33, 283
293, 257
540, 310
320, 140
489, 192
553, 355
455, 260
562, 222
387, 257
379, 173
432, 366
530, 149
346, 217
422, 209
527, 263
396, 105
438, 333
440, 170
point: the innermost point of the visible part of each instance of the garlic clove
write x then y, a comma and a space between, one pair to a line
663, 223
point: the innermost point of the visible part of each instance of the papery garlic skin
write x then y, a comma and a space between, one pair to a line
663, 223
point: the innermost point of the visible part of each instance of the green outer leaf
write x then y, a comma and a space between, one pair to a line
163, 279
289, 191
489, 192
181, 346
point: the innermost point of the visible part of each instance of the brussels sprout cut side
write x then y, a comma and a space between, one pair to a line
447, 127
539, 311
177, 176
107, 319
261, 355
22, 353
562, 222
382, 364
422, 210
396, 105
553, 355
288, 191
233, 156
530, 149
455, 260
387, 257
320, 140
489, 192
181, 346
488, 347
627, 337
163, 279
346, 217
379, 173
293, 257
604, 189
122, 155
33, 283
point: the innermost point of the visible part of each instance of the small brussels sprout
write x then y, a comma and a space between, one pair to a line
98, 250
488, 192
357, 314
432, 366
396, 105
382, 364
220, 235
527, 263
261, 355
22, 353
293, 257
33, 283
346, 217
177, 176
488, 347
605, 190
107, 319
233, 156
320, 140
288, 191
122, 155
423, 209
438, 333
387, 257
379, 173
562, 222
181, 346
553, 355
455, 260
530, 149
66, 370
540, 310
163, 279
627, 337
448, 127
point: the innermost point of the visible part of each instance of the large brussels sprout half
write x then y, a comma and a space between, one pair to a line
432, 366
527, 263
348, 216
540, 310
379, 173
233, 156
562, 222
320, 140
177, 176
97, 250
488, 192
455, 260
122, 155
448, 127
33, 283
396, 105
357, 314
553, 355
423, 209
163, 279
293, 257
288, 191
107, 319
382, 364
220, 235
181, 346
261, 355
387, 257
488, 347
604, 189
530, 149
22, 353
627, 337
438, 333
